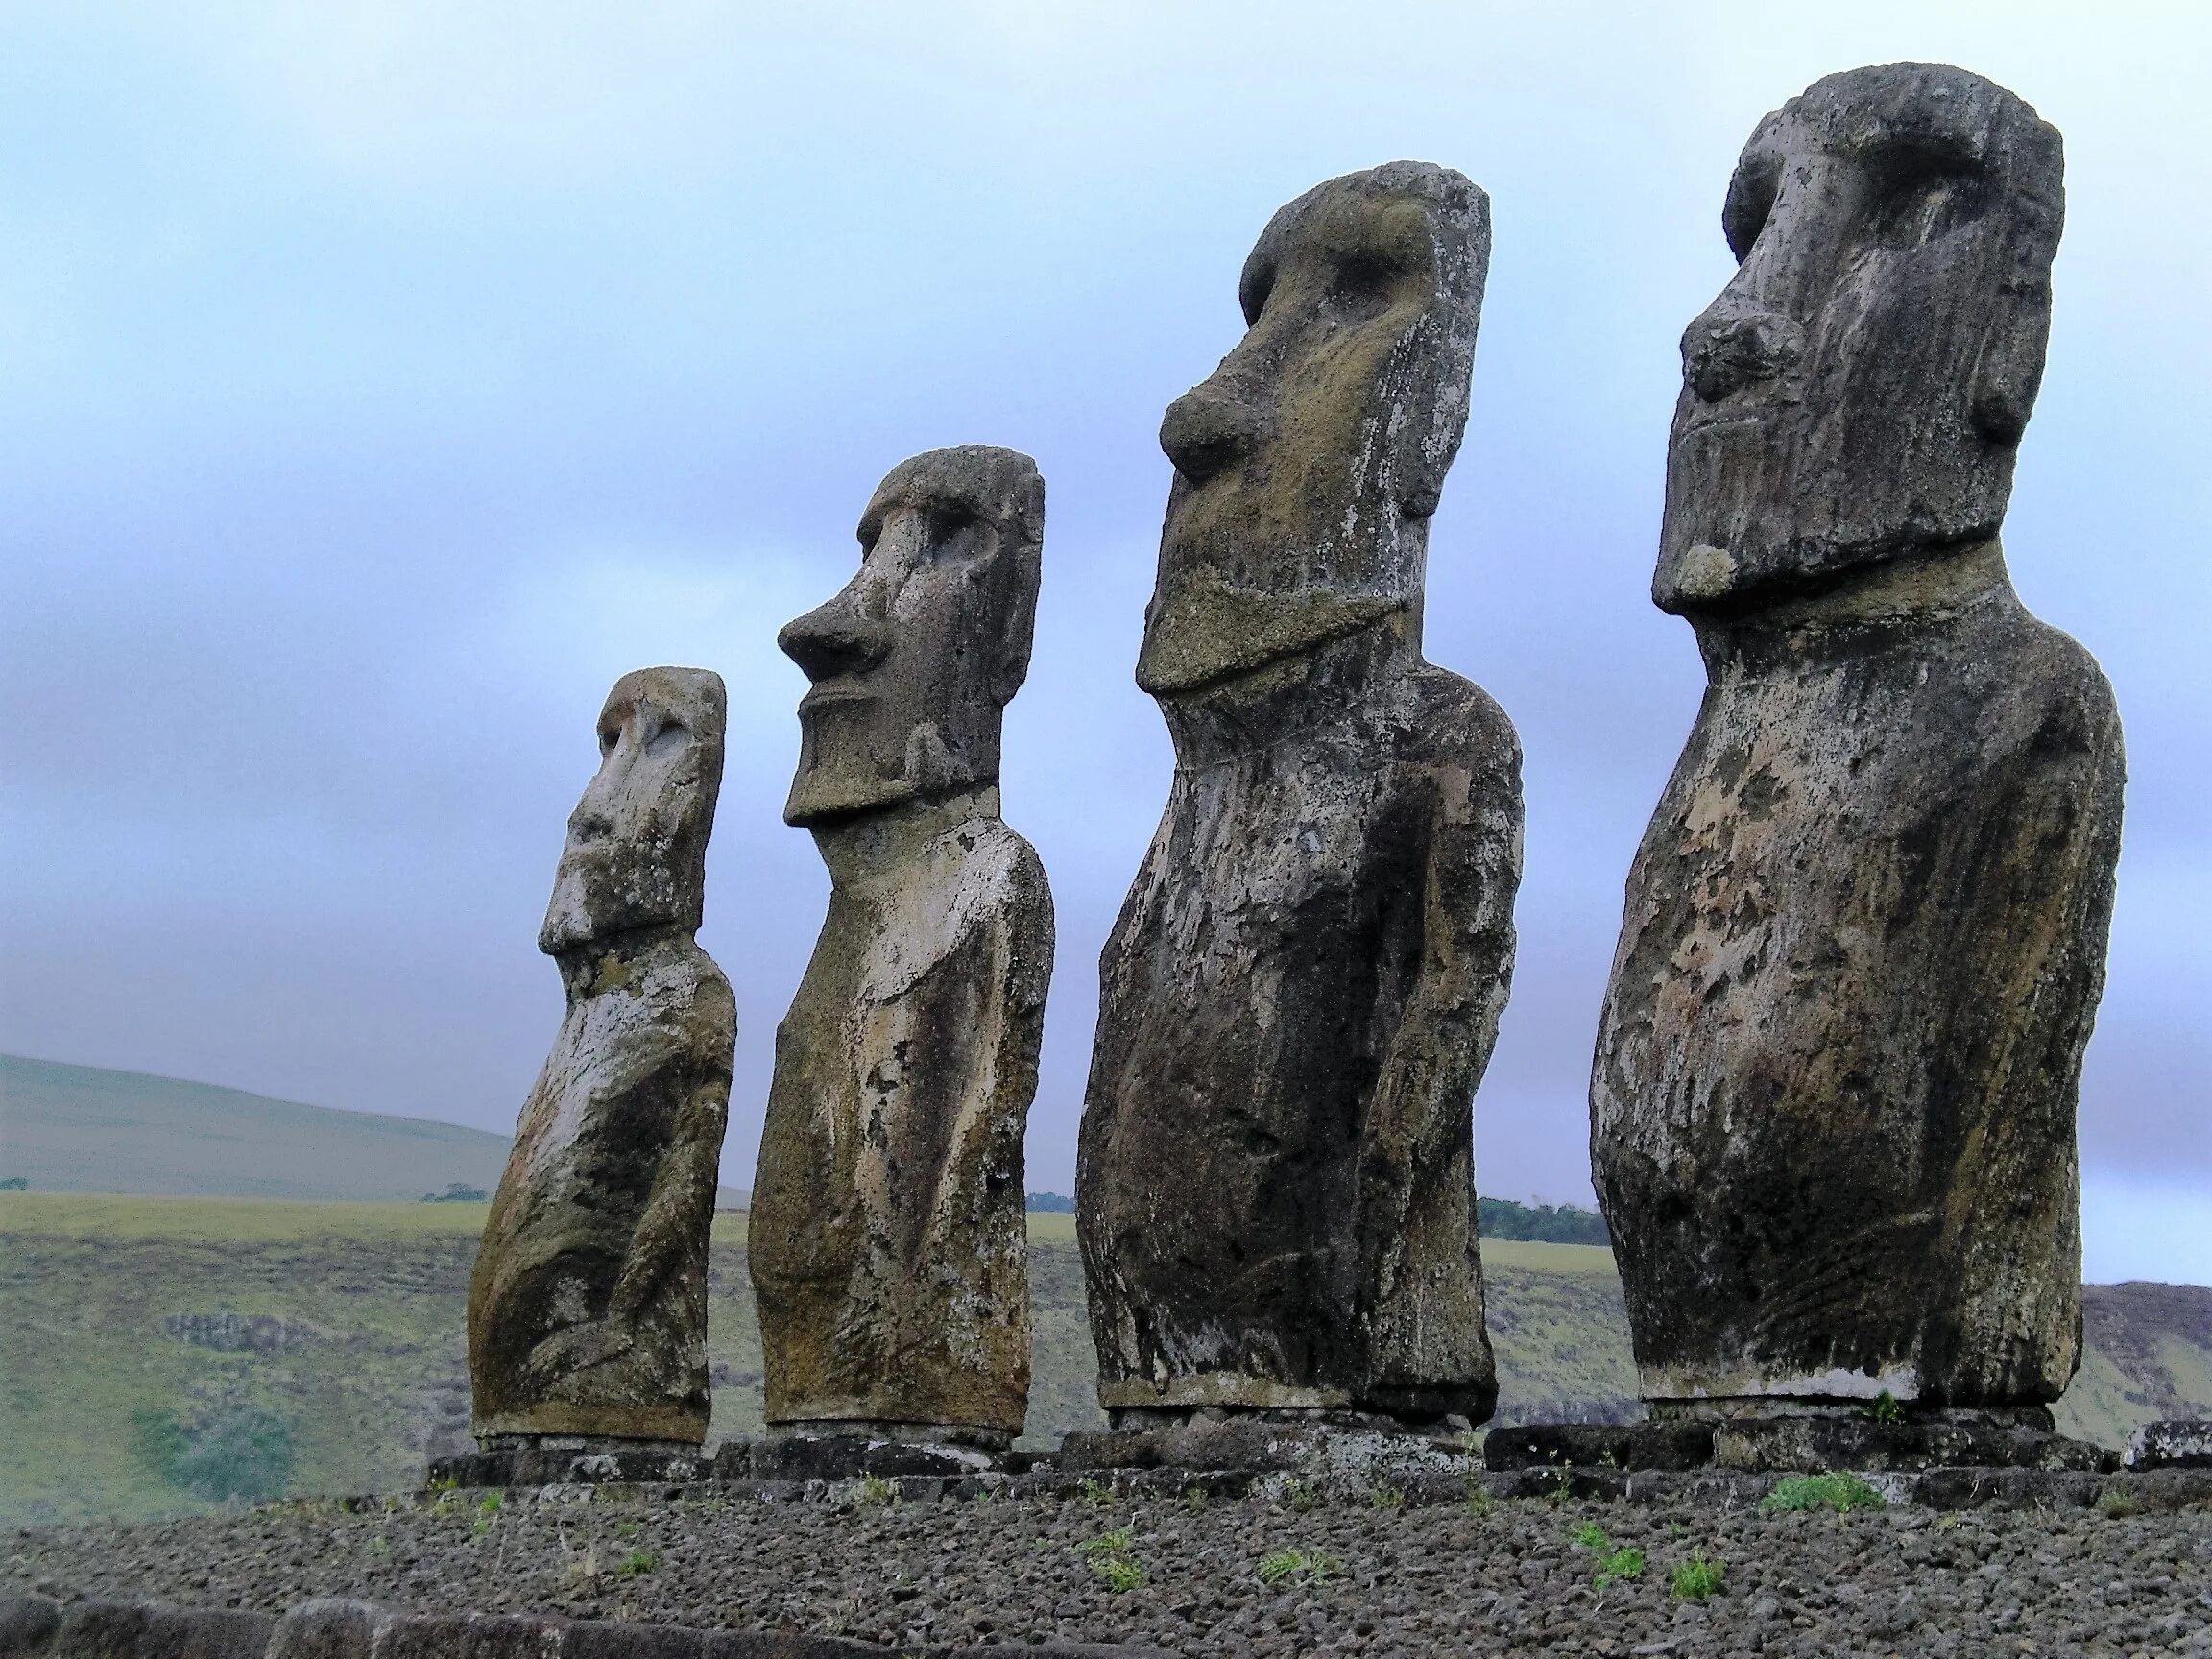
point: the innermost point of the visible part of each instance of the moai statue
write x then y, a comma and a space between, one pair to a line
888, 1244
1832, 1106
588, 1307
1274, 1191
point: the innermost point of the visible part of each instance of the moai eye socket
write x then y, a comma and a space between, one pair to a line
1919, 193
673, 735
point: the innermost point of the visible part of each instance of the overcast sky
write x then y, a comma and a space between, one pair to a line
383, 380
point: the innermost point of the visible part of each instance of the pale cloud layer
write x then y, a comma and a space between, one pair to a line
386, 379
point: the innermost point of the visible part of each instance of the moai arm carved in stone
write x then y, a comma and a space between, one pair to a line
888, 1239
1274, 1191
1832, 1106
588, 1306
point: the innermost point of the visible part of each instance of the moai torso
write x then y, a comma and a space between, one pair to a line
888, 1241
894, 1273
1275, 1185
588, 1303
1833, 1101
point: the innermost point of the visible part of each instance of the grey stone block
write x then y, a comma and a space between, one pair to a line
27, 1624
2173, 1443
151, 1630
1600, 1445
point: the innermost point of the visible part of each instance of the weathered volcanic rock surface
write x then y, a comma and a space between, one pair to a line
1411, 1582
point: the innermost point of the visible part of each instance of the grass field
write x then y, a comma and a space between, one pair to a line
339, 1328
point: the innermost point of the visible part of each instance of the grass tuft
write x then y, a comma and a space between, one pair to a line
1839, 1492
1698, 1577
1297, 1567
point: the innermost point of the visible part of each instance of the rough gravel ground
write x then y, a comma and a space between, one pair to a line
1370, 1579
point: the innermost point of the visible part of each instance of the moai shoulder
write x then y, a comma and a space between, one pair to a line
1831, 1105
588, 1303
888, 1232
1273, 1190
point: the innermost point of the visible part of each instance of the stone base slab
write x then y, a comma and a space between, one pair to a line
1796, 1443
39, 1627
554, 1461
1303, 1442
2174, 1444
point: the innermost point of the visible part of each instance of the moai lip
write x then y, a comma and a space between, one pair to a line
888, 1243
588, 1303
1833, 1098
1274, 1182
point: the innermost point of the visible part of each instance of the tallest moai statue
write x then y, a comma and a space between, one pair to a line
1832, 1108
1274, 1183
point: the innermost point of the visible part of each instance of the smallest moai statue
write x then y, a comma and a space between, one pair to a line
588, 1308
887, 1243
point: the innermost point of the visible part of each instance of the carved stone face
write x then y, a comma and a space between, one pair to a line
914, 663
1308, 466
1857, 391
636, 851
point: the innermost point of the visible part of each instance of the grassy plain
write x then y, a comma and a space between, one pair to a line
344, 1323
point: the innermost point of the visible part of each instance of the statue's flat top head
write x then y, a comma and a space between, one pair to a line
1857, 391
914, 660
1307, 465
636, 851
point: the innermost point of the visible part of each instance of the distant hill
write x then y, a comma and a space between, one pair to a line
85, 1129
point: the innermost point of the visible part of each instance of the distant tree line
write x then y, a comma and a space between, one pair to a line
1051, 1204
459, 1192
1539, 1223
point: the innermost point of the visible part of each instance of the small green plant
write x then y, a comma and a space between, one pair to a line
1194, 1496
1883, 1409
876, 1489
1698, 1577
1296, 1567
1113, 1557
1096, 1493
1301, 1495
637, 1562
1614, 1562
489, 1502
625, 1529
1119, 1572
1842, 1493
447, 1484
2116, 1505
379, 1544
1384, 1496
1479, 1499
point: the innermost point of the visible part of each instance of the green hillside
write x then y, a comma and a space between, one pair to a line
156, 1352
87, 1129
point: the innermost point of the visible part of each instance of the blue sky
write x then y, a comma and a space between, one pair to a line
383, 380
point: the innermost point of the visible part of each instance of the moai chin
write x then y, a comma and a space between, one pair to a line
588, 1306
1831, 1106
888, 1244
1274, 1192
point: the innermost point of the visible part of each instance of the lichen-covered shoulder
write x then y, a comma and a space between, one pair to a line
687, 992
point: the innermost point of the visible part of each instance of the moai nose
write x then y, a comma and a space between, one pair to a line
1728, 348
1208, 430
833, 640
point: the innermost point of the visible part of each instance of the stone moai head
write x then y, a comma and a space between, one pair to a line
1859, 389
914, 661
636, 851
1308, 466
